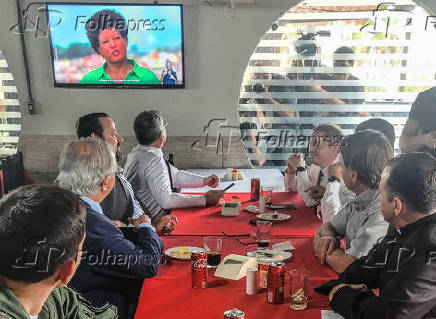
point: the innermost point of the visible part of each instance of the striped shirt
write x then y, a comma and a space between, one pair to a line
137, 210
147, 172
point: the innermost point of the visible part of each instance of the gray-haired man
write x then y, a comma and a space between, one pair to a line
153, 178
363, 157
114, 267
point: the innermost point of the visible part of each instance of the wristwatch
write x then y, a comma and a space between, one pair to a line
300, 169
333, 179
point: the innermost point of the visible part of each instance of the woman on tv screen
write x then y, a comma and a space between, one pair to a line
107, 33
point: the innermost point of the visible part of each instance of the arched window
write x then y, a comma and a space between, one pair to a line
10, 116
331, 61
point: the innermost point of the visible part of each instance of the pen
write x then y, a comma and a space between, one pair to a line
228, 187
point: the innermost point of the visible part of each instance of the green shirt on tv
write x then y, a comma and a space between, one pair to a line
138, 75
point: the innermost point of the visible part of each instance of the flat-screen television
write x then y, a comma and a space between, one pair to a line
116, 45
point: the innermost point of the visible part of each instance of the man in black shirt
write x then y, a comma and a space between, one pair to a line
419, 133
403, 265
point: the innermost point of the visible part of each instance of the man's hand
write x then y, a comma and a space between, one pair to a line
324, 246
211, 181
213, 197
118, 223
335, 170
336, 288
431, 139
140, 220
316, 192
294, 161
166, 224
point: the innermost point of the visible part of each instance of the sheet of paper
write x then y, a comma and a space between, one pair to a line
328, 314
286, 245
235, 267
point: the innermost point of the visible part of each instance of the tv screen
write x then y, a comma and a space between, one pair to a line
117, 45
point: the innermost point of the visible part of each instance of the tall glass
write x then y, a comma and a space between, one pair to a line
267, 192
298, 285
263, 234
212, 246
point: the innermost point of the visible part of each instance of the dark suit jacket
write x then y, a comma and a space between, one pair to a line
402, 266
113, 268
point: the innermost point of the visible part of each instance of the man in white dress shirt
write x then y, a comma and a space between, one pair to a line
321, 182
154, 179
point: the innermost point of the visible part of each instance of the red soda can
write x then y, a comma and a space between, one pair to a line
199, 269
276, 282
255, 189
234, 314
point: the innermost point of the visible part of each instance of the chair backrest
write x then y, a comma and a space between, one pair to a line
11, 172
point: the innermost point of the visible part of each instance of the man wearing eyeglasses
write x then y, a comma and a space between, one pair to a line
153, 179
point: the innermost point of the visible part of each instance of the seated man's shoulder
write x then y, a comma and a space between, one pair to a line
4, 315
432, 92
97, 223
68, 303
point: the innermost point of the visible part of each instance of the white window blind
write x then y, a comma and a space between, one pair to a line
333, 61
10, 116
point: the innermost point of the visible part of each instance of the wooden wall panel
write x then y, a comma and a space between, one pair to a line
41, 153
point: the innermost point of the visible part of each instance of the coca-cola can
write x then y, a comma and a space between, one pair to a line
199, 268
234, 314
276, 283
255, 189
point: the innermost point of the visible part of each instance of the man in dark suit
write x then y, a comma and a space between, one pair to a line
115, 262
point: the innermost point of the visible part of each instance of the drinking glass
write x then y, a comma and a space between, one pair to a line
298, 285
212, 246
267, 192
263, 234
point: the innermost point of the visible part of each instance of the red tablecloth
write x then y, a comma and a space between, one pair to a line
169, 294
208, 220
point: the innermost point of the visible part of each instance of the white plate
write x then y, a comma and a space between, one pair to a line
278, 255
181, 252
270, 216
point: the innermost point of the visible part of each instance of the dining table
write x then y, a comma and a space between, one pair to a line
207, 221
170, 295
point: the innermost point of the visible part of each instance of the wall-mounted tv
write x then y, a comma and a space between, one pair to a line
116, 45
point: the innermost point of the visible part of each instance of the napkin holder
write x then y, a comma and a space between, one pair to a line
228, 175
235, 267
230, 208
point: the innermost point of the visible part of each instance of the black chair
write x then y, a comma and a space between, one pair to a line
11, 172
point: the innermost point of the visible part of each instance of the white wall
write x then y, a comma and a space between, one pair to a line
216, 53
